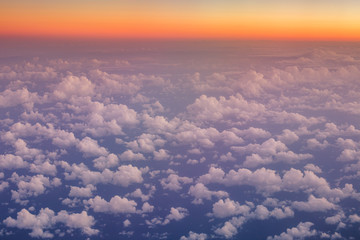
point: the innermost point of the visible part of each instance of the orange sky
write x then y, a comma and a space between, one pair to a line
256, 19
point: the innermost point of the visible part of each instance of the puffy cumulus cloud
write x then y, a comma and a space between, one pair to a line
90, 148
332, 130
129, 155
139, 194
126, 223
251, 133
312, 167
146, 143
153, 108
124, 176
227, 207
47, 219
280, 213
314, 205
268, 152
21, 149
10, 161
147, 208
215, 175
194, 236
199, 191
33, 186
227, 157
72, 86
60, 138
230, 227
176, 214
301, 231
100, 119
187, 133
237, 111
347, 143
45, 168
254, 84
174, 182
201, 83
35, 116
110, 84
268, 147
104, 162
27, 71
190, 134
160, 124
139, 98
267, 181
229, 138
161, 155
236, 108
336, 219
349, 155
78, 220
285, 117
9, 98
354, 218
264, 180
255, 160
313, 143
80, 192
288, 137
3, 186
295, 180
116, 205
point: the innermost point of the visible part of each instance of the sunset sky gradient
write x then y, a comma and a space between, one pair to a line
219, 19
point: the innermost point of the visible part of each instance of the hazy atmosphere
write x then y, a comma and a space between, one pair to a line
180, 140
178, 120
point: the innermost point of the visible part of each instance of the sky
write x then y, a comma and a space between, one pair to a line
216, 19
188, 120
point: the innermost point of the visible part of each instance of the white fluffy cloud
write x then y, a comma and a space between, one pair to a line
10, 161
174, 182
194, 236
129, 155
267, 181
9, 98
314, 205
288, 137
301, 231
116, 205
230, 227
210, 109
176, 214
33, 186
47, 219
59, 137
90, 148
199, 191
108, 161
227, 207
72, 86
146, 143
139, 194
123, 176
268, 152
81, 191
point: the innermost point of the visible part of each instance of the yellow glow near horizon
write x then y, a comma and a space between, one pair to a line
258, 19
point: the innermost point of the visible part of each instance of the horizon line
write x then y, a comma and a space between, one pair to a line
170, 38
